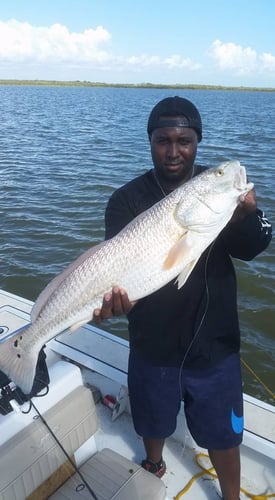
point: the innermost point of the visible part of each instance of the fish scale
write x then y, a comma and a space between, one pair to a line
161, 244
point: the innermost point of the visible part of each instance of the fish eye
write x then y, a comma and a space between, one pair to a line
220, 172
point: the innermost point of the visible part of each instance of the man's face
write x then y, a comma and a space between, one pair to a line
173, 152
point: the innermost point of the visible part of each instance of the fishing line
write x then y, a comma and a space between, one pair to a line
272, 394
76, 469
196, 333
202, 318
206, 284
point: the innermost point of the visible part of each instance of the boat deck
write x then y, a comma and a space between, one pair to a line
184, 473
180, 459
103, 362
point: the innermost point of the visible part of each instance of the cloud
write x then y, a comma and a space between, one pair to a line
55, 52
22, 41
231, 56
174, 61
268, 61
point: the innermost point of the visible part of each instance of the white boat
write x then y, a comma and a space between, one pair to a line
85, 369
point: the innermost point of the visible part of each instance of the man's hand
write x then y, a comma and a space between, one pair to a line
247, 204
115, 303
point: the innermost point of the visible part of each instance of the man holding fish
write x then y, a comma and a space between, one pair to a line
170, 236
185, 340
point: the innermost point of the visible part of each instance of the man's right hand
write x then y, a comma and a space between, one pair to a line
115, 303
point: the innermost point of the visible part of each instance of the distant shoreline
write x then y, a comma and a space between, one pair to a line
79, 83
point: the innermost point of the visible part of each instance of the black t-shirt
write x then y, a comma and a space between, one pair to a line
197, 324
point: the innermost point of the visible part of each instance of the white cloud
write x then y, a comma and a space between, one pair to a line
22, 41
174, 61
55, 52
231, 56
268, 61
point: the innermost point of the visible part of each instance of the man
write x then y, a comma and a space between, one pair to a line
185, 343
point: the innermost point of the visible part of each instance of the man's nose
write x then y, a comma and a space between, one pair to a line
173, 150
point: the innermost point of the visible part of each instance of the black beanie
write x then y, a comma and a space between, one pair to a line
175, 106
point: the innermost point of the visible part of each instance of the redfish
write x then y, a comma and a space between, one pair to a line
161, 244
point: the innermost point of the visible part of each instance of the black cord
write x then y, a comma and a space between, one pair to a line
93, 495
202, 319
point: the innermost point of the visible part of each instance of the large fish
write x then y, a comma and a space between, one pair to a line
159, 245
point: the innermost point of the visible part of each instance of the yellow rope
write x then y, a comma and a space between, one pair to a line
204, 471
258, 378
211, 473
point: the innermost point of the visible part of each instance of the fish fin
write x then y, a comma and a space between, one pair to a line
18, 364
80, 323
56, 282
177, 252
184, 275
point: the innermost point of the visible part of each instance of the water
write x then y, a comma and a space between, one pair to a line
63, 150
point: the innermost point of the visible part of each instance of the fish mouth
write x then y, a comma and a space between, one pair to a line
240, 181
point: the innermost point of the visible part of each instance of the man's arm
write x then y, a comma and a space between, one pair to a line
249, 232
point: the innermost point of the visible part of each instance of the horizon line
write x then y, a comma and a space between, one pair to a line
87, 83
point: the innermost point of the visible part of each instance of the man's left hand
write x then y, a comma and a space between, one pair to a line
247, 204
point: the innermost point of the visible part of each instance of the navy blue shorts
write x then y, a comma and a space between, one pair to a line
213, 401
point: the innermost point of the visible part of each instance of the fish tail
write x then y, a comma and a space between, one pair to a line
17, 362
14, 333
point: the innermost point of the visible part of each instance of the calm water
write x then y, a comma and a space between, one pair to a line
64, 150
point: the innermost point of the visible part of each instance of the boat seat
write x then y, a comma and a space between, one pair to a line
112, 477
30, 457
33, 467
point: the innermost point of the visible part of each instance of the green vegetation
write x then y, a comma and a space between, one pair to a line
78, 83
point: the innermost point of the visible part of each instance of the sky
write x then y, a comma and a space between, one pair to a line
204, 42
